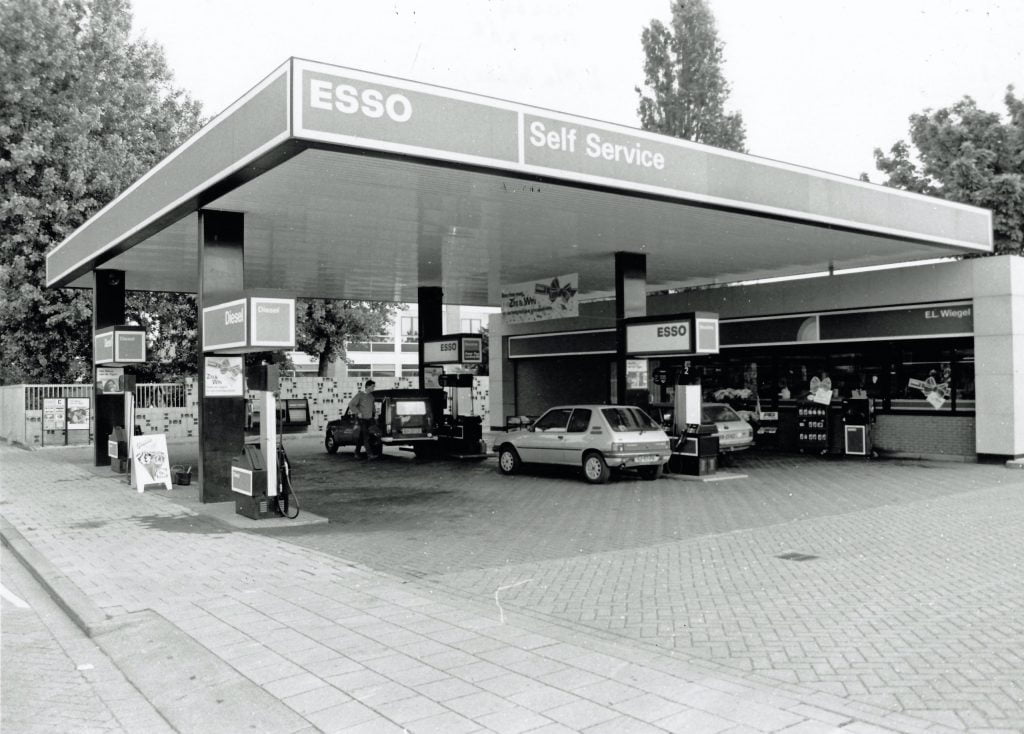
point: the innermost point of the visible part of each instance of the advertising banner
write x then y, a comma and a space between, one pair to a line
108, 380
224, 377
79, 414
150, 464
540, 300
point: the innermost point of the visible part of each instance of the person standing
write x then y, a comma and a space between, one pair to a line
361, 406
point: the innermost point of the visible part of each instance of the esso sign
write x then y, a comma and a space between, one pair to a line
351, 100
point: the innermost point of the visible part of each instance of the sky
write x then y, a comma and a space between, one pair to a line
820, 83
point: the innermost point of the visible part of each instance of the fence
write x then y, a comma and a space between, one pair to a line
173, 408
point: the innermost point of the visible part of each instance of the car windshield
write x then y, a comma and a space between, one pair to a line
718, 414
629, 419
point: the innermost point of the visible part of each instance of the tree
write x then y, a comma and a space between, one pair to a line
84, 111
965, 154
685, 91
324, 326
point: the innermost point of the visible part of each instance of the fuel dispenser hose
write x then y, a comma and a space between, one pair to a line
286, 497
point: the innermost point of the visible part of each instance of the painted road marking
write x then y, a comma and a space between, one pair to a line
12, 598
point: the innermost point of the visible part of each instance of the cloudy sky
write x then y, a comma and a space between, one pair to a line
820, 83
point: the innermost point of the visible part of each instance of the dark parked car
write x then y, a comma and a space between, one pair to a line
403, 418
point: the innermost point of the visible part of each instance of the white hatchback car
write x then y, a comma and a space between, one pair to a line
596, 438
734, 433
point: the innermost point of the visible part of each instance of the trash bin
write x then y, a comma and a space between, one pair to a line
182, 474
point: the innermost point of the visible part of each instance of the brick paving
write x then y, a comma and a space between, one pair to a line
459, 600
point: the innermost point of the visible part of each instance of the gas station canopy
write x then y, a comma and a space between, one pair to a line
360, 186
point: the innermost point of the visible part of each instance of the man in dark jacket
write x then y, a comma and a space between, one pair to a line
361, 406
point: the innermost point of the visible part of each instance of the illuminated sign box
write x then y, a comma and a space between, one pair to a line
682, 334
454, 349
119, 345
251, 324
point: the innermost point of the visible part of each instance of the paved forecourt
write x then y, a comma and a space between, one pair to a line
528, 632
345, 648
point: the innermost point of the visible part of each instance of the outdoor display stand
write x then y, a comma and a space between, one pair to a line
813, 427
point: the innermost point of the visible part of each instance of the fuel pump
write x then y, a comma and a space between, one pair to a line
460, 436
119, 441
261, 474
694, 443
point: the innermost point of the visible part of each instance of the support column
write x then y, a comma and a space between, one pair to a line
431, 318
630, 302
107, 310
221, 419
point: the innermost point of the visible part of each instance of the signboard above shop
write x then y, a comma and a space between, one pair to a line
119, 345
454, 349
660, 336
250, 324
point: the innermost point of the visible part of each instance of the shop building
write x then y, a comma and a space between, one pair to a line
940, 349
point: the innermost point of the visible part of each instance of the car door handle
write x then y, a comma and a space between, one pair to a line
561, 437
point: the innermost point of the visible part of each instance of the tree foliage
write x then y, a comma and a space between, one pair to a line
84, 111
962, 153
324, 326
685, 91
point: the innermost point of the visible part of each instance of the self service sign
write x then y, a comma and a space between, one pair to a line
251, 324
689, 333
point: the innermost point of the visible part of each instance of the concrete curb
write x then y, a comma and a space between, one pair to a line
86, 615
191, 688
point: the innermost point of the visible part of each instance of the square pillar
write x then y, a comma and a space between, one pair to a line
630, 302
108, 309
221, 419
431, 317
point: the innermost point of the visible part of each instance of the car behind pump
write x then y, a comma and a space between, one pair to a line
598, 439
402, 418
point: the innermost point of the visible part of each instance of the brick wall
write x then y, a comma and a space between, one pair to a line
933, 436
327, 398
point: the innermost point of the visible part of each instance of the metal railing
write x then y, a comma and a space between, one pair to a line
161, 395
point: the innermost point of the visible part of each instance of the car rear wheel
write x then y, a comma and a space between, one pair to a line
330, 444
508, 460
650, 473
595, 470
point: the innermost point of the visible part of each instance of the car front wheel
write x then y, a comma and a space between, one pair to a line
330, 444
595, 470
508, 460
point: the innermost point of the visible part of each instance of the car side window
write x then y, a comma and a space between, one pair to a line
580, 420
553, 419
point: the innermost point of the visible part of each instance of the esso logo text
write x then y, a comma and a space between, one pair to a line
449, 346
671, 330
323, 95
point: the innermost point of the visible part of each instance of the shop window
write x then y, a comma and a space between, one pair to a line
923, 379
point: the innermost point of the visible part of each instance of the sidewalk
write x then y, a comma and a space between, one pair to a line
224, 630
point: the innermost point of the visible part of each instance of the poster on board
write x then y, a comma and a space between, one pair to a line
150, 463
78, 414
108, 380
223, 377
54, 414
